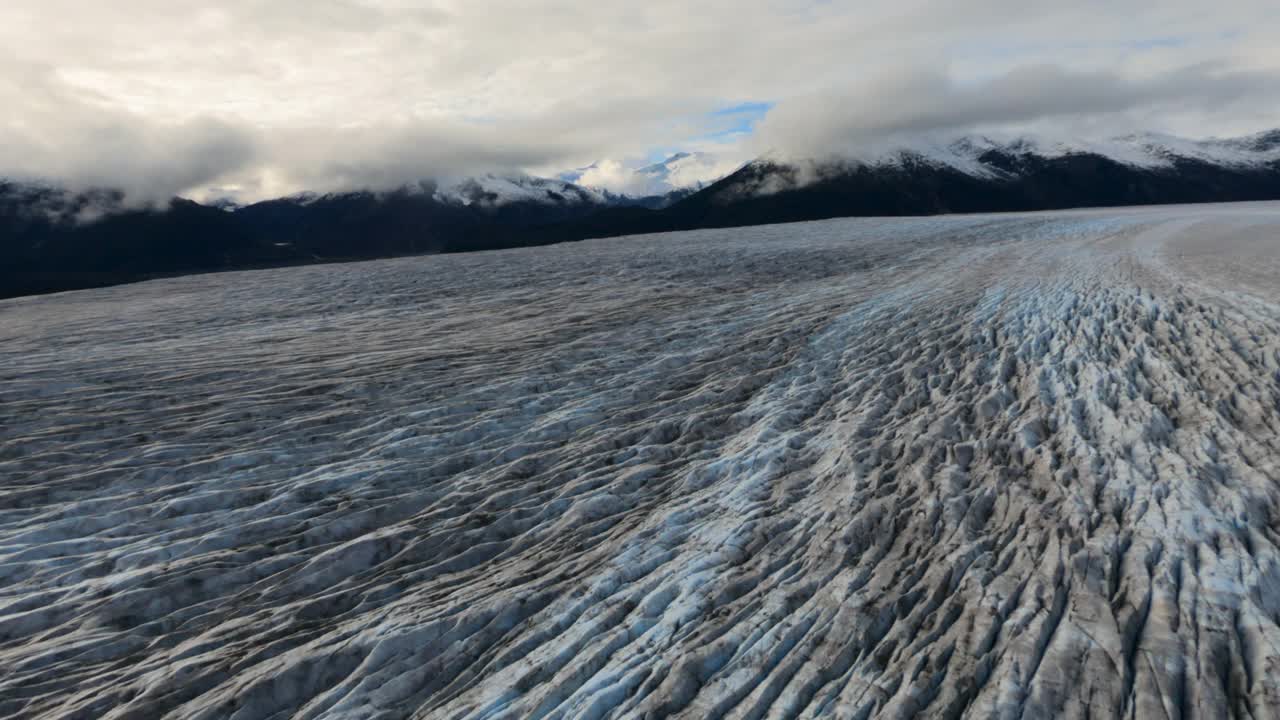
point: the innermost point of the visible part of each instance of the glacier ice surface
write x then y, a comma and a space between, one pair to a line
984, 466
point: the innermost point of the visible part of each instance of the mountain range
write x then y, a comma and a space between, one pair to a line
52, 239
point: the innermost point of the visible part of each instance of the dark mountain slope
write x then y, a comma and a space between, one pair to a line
52, 241
765, 192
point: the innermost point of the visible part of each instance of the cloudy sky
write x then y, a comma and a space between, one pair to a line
265, 97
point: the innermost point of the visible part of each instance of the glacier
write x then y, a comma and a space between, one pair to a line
970, 466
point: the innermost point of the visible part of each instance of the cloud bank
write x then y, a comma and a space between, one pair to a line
257, 98
1041, 98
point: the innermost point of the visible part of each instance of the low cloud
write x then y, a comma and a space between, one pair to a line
691, 171
1044, 98
65, 135
62, 136
255, 98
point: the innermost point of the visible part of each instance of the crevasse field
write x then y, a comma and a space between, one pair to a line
986, 466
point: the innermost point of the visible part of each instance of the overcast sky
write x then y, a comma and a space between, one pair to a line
264, 97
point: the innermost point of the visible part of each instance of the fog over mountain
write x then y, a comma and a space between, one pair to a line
61, 239
681, 171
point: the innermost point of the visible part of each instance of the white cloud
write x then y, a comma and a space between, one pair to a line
275, 95
688, 170
613, 175
1043, 98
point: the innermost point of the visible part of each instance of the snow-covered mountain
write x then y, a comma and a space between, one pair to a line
490, 190
914, 176
686, 171
682, 173
485, 192
984, 157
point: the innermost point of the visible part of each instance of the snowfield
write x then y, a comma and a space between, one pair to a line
983, 466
